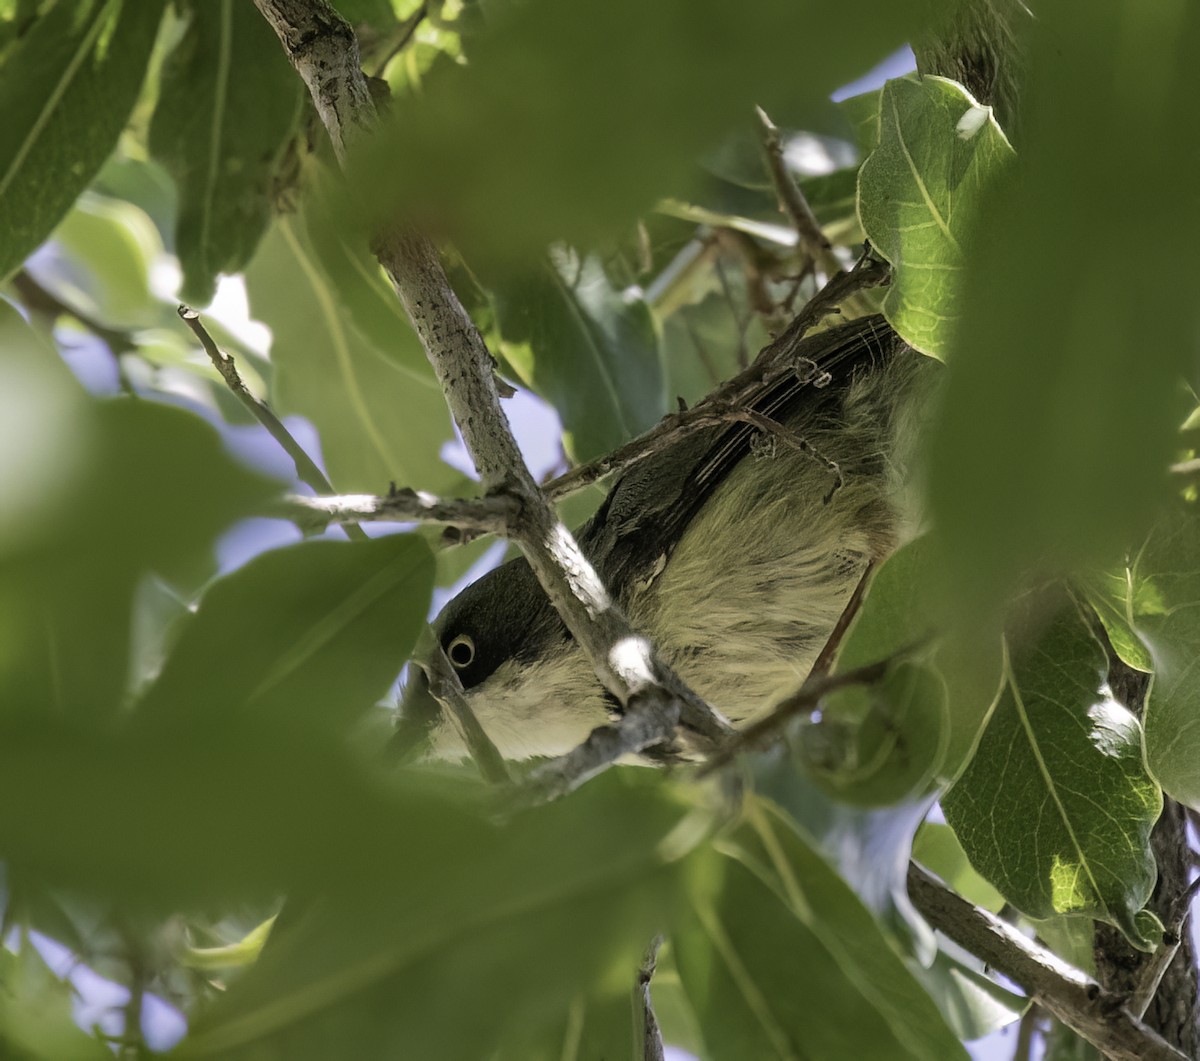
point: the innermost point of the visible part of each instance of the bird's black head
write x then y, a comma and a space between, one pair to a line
503, 615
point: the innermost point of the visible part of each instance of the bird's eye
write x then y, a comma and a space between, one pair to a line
461, 651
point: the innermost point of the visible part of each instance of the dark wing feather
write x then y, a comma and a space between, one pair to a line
652, 504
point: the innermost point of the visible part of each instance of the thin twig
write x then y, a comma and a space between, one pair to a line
773, 361
478, 515
812, 241
823, 664
1153, 972
803, 701
306, 469
1027, 1031
647, 723
401, 36
1074, 998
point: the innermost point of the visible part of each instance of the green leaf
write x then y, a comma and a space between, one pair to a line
568, 128
589, 350
700, 344
228, 106
1056, 807
1111, 594
310, 634
362, 291
1064, 391
379, 422
1151, 607
862, 112
918, 196
781, 959
471, 922
115, 243
599, 1026
879, 744
241, 809
66, 89
937, 848
35, 1012
156, 489
973, 1004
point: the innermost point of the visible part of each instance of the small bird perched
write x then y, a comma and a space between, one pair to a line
735, 551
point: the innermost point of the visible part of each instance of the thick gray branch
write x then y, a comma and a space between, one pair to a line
321, 45
1077, 1000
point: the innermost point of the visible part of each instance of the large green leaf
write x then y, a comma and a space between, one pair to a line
96, 493
565, 127
1063, 395
590, 350
239, 808
472, 922
919, 192
66, 89
1056, 807
228, 105
311, 634
781, 960
380, 421
1153, 608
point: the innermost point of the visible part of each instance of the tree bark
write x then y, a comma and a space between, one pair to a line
1174, 1010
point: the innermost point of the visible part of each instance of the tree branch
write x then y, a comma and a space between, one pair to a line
321, 46
729, 401
803, 701
1077, 1000
481, 515
647, 723
306, 468
811, 240
40, 299
652, 1043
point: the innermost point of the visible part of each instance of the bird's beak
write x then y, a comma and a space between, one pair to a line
419, 712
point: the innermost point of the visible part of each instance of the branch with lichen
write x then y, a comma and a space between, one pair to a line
321, 46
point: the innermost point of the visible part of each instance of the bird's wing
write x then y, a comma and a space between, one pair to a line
652, 504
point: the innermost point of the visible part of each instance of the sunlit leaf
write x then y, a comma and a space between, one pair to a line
1150, 608
66, 89
937, 848
1056, 807
919, 192
228, 104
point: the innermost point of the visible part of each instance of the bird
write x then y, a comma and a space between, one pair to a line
735, 550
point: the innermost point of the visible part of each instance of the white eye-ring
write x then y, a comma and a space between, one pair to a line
461, 651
